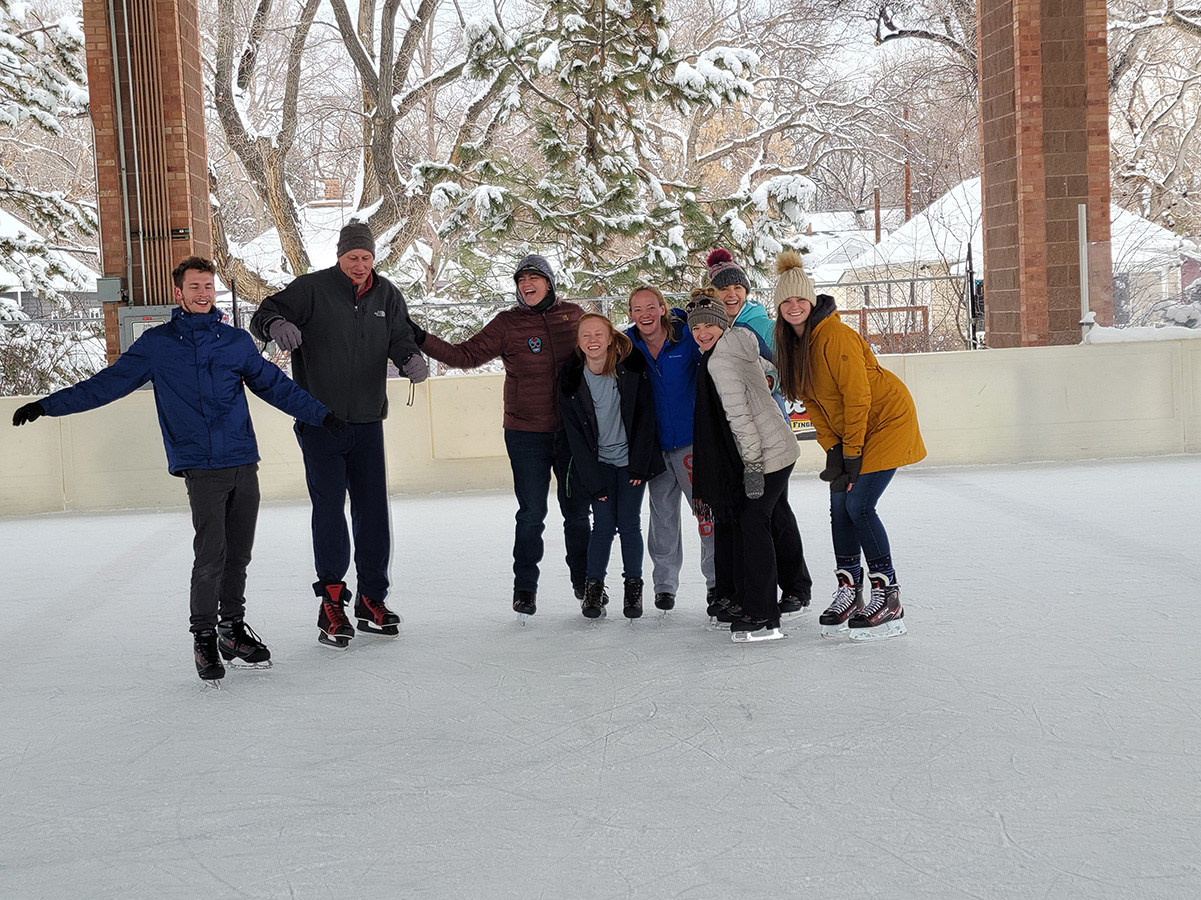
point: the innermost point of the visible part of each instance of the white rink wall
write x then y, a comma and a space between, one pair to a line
1090, 401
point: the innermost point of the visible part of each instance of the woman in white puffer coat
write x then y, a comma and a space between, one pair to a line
744, 453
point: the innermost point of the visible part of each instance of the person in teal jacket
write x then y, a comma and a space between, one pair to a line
198, 365
733, 288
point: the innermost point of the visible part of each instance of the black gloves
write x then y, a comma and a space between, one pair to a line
28, 413
850, 474
752, 480
833, 463
419, 333
333, 424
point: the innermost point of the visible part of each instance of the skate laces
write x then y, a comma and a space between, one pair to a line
844, 598
244, 634
877, 602
335, 611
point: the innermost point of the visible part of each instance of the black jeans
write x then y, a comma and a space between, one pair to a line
789, 569
335, 465
533, 455
792, 574
225, 510
753, 548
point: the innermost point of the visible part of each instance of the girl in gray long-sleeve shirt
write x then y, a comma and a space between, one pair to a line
608, 410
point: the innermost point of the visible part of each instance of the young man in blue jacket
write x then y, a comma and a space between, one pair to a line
198, 366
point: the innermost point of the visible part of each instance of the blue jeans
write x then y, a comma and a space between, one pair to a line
533, 455
620, 512
853, 520
335, 465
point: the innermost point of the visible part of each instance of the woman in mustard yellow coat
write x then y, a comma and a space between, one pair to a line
866, 422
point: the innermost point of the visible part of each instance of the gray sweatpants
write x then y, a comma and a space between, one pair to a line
663, 541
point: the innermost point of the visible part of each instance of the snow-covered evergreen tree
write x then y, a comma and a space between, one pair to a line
42, 80
583, 174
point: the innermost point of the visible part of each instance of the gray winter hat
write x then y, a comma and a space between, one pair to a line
709, 311
355, 236
536, 263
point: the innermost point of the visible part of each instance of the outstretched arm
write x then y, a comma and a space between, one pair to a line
482, 347
131, 370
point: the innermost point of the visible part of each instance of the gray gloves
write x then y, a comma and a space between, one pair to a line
285, 334
415, 368
752, 480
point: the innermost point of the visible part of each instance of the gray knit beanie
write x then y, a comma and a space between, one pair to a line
723, 271
708, 310
355, 236
536, 263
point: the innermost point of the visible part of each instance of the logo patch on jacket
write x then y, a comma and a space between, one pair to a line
536, 344
381, 313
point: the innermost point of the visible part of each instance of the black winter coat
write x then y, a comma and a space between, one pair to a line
637, 413
348, 339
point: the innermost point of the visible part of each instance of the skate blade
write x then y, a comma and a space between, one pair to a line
754, 637
523, 618
368, 627
243, 664
334, 643
832, 630
894, 628
214, 683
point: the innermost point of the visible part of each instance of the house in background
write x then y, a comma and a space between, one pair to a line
924, 264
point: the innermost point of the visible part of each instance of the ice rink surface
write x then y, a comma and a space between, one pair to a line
1037, 734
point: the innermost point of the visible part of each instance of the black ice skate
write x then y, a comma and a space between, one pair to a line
746, 630
240, 646
632, 604
593, 604
524, 603
883, 617
333, 628
208, 662
848, 600
717, 606
791, 604
665, 600
375, 618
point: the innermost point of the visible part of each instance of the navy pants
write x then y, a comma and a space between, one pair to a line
533, 456
619, 513
225, 509
335, 465
853, 519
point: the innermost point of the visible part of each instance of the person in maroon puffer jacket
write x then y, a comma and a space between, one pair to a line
534, 339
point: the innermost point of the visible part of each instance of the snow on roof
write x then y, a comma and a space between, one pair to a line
941, 233
81, 277
319, 227
831, 254
854, 220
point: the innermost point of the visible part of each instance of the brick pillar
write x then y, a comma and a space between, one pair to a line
147, 110
1044, 107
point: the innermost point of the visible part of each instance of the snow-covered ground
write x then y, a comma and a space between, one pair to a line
1037, 733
